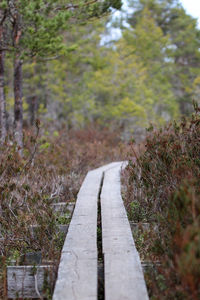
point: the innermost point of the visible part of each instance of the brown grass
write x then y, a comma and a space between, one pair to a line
52, 169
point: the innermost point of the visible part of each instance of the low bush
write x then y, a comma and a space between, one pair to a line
52, 170
162, 187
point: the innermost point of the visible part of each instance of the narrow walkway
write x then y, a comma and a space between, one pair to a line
78, 269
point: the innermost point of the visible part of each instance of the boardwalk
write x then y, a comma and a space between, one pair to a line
78, 269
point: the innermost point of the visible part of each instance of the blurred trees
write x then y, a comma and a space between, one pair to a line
34, 30
183, 47
150, 74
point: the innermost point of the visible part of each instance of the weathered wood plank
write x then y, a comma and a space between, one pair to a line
77, 274
150, 266
122, 268
139, 226
34, 229
28, 281
63, 207
135, 227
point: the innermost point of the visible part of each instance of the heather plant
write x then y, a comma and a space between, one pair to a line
51, 170
162, 188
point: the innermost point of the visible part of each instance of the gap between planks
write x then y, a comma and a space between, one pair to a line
77, 274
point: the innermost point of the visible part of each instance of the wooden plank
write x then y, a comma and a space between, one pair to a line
139, 226
122, 268
29, 281
63, 207
77, 274
34, 229
150, 266
62, 228
135, 227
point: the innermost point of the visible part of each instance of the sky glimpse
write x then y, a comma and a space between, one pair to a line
192, 7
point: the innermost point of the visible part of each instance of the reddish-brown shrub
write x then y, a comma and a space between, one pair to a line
52, 168
162, 187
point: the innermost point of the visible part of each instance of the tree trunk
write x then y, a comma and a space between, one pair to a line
2, 82
2, 99
18, 109
33, 106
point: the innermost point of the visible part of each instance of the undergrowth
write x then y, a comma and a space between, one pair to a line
162, 187
51, 170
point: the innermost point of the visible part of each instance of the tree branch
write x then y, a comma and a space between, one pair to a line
71, 6
5, 49
4, 14
48, 59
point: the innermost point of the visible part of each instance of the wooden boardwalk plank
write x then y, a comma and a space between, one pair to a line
63, 207
77, 274
28, 281
122, 268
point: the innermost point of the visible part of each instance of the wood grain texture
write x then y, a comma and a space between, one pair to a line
25, 281
122, 268
77, 274
63, 207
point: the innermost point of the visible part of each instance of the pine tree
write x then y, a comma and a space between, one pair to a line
37, 28
183, 49
126, 84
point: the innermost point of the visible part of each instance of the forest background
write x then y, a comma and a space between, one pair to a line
77, 77
71, 97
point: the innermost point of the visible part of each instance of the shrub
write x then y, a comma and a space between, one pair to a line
162, 187
52, 169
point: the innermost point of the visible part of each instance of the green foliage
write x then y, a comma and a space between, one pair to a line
40, 25
97, 83
45, 146
148, 76
183, 44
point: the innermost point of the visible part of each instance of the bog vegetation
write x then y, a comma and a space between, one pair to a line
72, 96
75, 74
30, 185
162, 188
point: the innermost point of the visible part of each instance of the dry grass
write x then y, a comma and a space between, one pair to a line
52, 169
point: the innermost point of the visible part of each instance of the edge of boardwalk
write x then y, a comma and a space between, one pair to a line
77, 273
124, 277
